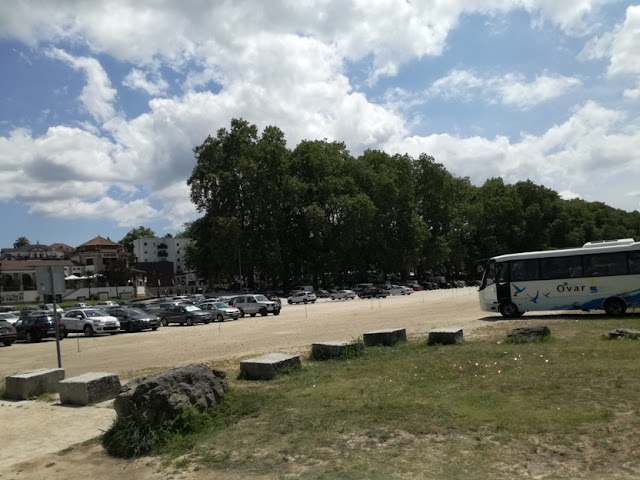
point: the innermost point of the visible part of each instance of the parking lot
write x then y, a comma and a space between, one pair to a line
47, 428
294, 330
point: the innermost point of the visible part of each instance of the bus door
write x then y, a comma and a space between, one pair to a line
503, 287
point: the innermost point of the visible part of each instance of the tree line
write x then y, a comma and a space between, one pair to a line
318, 215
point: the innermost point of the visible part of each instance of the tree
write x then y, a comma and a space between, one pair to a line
117, 273
134, 234
20, 242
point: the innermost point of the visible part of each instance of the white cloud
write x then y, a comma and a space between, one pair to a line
625, 48
139, 80
578, 155
508, 89
632, 93
97, 95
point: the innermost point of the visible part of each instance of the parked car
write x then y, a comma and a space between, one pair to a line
10, 309
343, 295
9, 317
320, 293
38, 325
220, 311
106, 304
80, 305
49, 307
372, 292
134, 319
90, 321
7, 333
28, 309
184, 314
359, 287
302, 297
254, 304
399, 290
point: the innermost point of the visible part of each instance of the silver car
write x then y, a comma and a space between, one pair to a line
220, 311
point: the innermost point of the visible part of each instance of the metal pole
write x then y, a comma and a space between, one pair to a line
55, 318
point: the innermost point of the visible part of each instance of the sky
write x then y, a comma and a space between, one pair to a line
102, 102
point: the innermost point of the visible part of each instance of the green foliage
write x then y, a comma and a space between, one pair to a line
134, 234
317, 215
21, 241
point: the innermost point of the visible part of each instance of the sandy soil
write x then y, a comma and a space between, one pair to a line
44, 439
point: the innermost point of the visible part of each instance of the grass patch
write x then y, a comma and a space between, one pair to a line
563, 408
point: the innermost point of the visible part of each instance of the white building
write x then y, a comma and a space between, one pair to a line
167, 249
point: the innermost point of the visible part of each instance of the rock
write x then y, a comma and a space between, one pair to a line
528, 334
624, 333
160, 398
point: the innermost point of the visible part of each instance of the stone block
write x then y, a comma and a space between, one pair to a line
266, 367
445, 336
327, 350
33, 382
386, 337
88, 388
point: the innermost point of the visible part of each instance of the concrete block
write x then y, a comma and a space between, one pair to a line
266, 367
445, 336
33, 382
327, 350
387, 337
88, 388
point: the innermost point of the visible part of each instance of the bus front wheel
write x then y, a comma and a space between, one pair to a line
510, 310
614, 306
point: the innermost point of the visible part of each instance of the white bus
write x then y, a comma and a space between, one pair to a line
603, 275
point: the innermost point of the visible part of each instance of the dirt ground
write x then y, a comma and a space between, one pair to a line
43, 439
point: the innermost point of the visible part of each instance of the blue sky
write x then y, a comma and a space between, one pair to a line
101, 103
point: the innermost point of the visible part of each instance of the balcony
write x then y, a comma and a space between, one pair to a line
163, 253
162, 246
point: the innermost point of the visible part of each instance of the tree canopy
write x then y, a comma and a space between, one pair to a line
317, 214
134, 234
20, 242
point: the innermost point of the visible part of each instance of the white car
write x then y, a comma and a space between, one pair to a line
90, 321
302, 297
9, 317
399, 290
106, 304
343, 295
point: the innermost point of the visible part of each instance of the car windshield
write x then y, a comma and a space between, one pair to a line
191, 308
221, 305
261, 298
94, 313
134, 312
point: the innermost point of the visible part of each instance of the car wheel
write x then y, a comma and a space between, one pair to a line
614, 306
220, 318
305, 301
190, 322
30, 337
263, 311
289, 301
88, 331
332, 297
164, 322
154, 328
7, 343
130, 328
241, 312
276, 312
253, 314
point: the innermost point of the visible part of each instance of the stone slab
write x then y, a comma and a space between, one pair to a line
385, 337
327, 350
266, 367
445, 336
89, 388
32, 383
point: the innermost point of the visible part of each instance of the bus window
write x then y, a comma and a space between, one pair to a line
603, 264
489, 275
503, 272
523, 270
560, 267
634, 262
